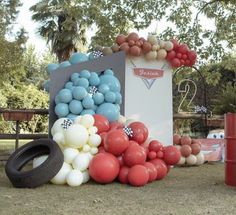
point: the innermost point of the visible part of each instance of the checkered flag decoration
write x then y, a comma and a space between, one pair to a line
128, 131
97, 54
92, 90
66, 123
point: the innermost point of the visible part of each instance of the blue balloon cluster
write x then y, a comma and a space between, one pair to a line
89, 93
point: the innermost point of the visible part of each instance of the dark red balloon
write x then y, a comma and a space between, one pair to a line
133, 143
101, 122
175, 43
125, 47
140, 132
175, 63
121, 161
161, 168
104, 168
183, 49
160, 154
151, 170
146, 47
103, 136
123, 175
177, 139
171, 55
155, 146
138, 175
192, 55
101, 149
134, 155
115, 125
171, 155
152, 155
120, 39
135, 51
116, 142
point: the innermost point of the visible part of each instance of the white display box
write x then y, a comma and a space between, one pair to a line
148, 96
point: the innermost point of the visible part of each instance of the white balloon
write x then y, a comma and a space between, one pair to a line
90, 156
191, 160
70, 154
86, 176
181, 161
122, 119
95, 140
39, 160
60, 177
77, 119
92, 130
87, 120
57, 126
59, 138
74, 178
200, 158
81, 162
94, 150
76, 136
86, 148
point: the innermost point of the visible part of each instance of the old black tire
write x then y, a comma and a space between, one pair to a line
39, 175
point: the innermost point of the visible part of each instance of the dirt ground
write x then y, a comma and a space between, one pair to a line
186, 190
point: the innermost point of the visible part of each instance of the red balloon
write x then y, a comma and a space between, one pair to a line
161, 168
152, 155
131, 42
133, 36
138, 175
103, 136
135, 51
145, 147
175, 43
123, 175
175, 62
104, 168
160, 154
101, 149
183, 49
185, 150
116, 142
196, 148
172, 155
146, 47
115, 125
133, 143
140, 132
121, 161
155, 146
192, 56
120, 39
176, 139
125, 47
168, 168
184, 56
186, 140
179, 55
101, 122
171, 55
134, 155
152, 171
139, 44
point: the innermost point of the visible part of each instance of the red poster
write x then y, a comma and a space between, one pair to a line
148, 73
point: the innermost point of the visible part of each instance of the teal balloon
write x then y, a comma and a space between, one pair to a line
82, 82
64, 64
110, 97
111, 81
57, 99
108, 72
95, 107
79, 93
74, 77
78, 58
110, 111
69, 85
91, 56
75, 106
98, 98
65, 95
62, 110
88, 102
71, 116
46, 85
88, 111
51, 67
85, 74
103, 88
94, 80
118, 98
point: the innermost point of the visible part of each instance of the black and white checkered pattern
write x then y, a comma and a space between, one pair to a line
66, 123
97, 54
92, 90
128, 131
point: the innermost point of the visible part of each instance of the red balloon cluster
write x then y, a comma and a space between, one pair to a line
190, 150
125, 156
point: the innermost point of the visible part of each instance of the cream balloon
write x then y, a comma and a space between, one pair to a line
90, 156
191, 160
151, 55
200, 158
168, 46
122, 119
92, 130
95, 140
76, 136
161, 54
74, 178
155, 47
81, 162
59, 138
86, 176
182, 161
77, 119
94, 150
60, 177
87, 120
152, 39
39, 160
162, 44
178, 147
57, 126
86, 148
70, 154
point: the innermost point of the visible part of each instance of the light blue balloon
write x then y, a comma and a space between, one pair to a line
79, 93
65, 95
110, 111
75, 107
110, 97
87, 111
82, 82
62, 110
85, 74
94, 80
74, 76
111, 81
78, 58
88, 102
71, 116
95, 107
103, 88
51, 67
57, 99
98, 98
46, 85
91, 56
118, 98
108, 72
69, 85
64, 64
